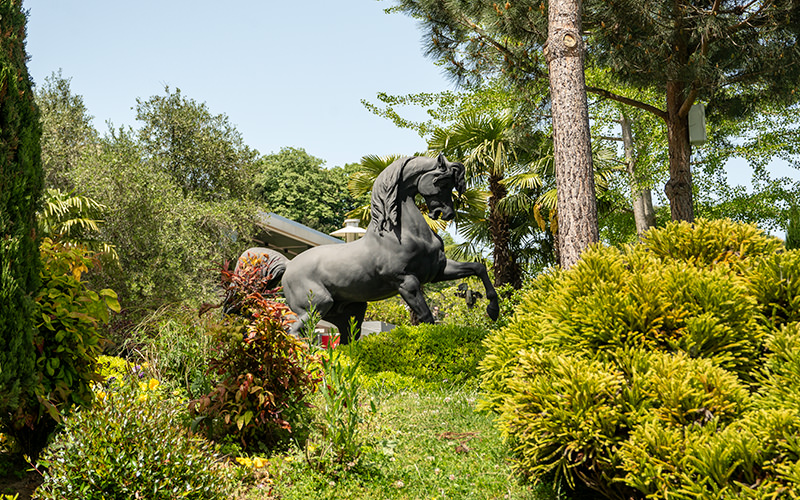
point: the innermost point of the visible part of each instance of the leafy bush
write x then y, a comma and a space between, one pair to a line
392, 310
132, 444
427, 352
629, 371
260, 372
67, 342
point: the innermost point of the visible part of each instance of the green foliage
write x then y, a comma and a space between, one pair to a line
631, 371
751, 458
454, 310
68, 341
295, 185
203, 154
392, 310
73, 219
793, 229
710, 242
340, 411
260, 372
20, 192
175, 346
67, 132
776, 285
780, 381
132, 444
176, 192
169, 246
426, 352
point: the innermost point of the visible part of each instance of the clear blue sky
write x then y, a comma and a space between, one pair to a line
286, 73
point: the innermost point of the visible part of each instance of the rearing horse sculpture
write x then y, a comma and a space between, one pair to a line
398, 253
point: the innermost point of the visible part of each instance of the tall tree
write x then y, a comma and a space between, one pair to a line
734, 55
203, 153
20, 192
67, 131
572, 150
296, 185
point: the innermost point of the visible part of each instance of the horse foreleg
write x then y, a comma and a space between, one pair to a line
456, 270
411, 292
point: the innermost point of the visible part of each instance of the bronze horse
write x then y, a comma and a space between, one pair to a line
398, 253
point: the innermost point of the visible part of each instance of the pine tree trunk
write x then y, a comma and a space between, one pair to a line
576, 204
679, 187
642, 201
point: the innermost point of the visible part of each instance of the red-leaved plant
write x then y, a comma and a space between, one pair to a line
263, 374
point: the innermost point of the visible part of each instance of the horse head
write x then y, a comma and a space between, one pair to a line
434, 179
437, 186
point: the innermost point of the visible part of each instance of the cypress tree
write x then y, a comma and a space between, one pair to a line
21, 181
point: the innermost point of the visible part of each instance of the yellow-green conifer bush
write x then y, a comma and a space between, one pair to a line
666, 369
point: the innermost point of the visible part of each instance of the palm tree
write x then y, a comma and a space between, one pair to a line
489, 153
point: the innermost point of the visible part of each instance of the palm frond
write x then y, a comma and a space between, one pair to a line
361, 181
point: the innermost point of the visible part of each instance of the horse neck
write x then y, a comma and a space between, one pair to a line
410, 216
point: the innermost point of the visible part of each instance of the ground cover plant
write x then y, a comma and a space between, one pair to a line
665, 369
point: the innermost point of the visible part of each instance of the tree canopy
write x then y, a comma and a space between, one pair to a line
202, 153
733, 55
296, 185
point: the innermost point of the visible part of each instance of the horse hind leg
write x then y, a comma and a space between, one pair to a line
342, 319
315, 305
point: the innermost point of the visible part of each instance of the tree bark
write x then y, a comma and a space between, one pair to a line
505, 267
679, 187
576, 204
641, 198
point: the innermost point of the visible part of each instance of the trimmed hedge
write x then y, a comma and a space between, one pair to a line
425, 352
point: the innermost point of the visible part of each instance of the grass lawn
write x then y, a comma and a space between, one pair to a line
419, 444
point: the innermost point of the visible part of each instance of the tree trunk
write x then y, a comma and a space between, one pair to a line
643, 213
679, 187
505, 267
576, 204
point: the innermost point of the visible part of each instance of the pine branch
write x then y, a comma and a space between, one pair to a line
626, 100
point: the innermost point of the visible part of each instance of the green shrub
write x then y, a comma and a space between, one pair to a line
753, 457
392, 310
638, 361
776, 284
260, 372
426, 352
133, 443
67, 342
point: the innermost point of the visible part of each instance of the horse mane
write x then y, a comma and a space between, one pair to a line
384, 209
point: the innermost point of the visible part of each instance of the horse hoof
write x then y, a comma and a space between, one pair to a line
493, 310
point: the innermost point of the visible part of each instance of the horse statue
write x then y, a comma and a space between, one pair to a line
398, 253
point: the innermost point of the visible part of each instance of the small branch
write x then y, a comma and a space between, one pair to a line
687, 103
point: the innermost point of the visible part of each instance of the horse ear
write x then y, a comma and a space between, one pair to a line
441, 162
460, 178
